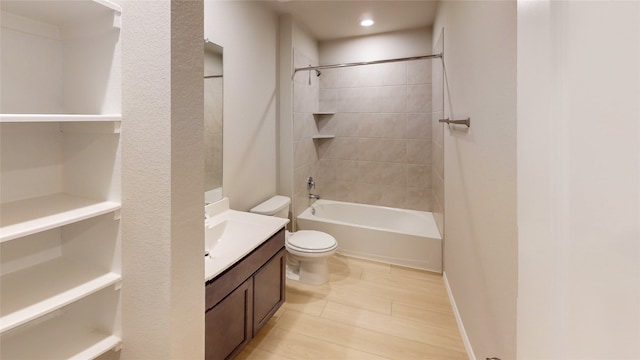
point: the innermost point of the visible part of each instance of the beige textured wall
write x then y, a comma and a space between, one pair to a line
579, 180
480, 246
248, 32
162, 172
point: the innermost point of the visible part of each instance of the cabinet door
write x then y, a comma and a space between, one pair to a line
268, 290
229, 324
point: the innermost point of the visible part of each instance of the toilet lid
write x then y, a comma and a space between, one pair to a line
311, 241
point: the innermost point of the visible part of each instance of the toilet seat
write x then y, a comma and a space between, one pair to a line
311, 241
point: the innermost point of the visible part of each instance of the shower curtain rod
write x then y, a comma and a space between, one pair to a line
322, 67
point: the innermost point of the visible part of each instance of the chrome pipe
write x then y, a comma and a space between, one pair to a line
411, 58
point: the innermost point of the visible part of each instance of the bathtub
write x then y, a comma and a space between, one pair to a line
395, 236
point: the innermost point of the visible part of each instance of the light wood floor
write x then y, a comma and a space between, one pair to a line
368, 310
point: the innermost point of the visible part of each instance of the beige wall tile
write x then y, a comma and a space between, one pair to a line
418, 175
369, 149
393, 196
419, 98
381, 112
419, 126
327, 100
394, 125
370, 125
418, 198
394, 174
348, 124
329, 79
347, 170
419, 72
393, 99
370, 172
418, 152
392, 150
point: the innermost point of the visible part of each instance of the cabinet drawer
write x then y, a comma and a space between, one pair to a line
224, 284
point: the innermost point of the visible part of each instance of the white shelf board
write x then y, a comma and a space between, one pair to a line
60, 13
57, 338
323, 136
30, 216
38, 290
29, 118
324, 113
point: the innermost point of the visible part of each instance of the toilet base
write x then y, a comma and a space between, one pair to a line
314, 271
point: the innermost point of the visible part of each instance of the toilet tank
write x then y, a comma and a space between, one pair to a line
276, 206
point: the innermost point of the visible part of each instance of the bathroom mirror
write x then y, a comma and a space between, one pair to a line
213, 101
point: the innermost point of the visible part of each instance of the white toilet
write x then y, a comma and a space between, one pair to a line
307, 250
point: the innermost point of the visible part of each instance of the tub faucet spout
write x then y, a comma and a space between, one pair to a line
314, 196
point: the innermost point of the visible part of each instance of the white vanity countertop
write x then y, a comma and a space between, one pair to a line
243, 232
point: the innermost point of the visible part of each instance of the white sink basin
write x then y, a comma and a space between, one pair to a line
213, 235
230, 235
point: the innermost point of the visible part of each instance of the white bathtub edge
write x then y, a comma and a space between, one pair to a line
414, 264
456, 313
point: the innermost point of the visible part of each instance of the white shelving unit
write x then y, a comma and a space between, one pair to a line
60, 179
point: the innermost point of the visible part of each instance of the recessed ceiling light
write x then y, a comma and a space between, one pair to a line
366, 22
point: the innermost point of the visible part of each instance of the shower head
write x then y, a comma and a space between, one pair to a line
318, 73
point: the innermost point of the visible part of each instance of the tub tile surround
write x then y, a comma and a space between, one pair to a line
382, 152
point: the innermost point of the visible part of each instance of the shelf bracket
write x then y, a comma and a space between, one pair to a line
117, 20
117, 126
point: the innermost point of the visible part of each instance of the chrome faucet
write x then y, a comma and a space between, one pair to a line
310, 183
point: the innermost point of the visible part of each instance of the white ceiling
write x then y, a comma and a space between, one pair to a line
327, 20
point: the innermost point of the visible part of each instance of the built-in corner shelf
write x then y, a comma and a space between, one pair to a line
38, 290
323, 113
58, 338
322, 137
30, 216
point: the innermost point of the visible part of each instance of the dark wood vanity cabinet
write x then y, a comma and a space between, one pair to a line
241, 300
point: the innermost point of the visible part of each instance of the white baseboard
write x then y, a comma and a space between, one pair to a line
463, 333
